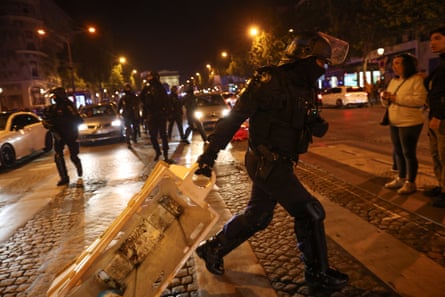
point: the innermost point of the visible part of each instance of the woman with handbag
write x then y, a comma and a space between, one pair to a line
405, 98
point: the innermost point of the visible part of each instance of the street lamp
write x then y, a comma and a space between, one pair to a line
90, 30
1, 101
254, 31
371, 55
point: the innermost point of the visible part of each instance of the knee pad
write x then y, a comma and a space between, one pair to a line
315, 210
311, 236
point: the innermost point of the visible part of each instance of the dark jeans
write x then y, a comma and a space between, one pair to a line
404, 140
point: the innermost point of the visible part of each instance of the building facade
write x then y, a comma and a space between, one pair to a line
378, 66
28, 65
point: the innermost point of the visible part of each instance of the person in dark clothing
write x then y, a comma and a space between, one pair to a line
435, 85
63, 119
129, 107
156, 107
176, 115
190, 103
280, 102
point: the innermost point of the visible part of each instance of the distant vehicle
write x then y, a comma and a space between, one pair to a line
22, 134
101, 122
230, 98
344, 96
210, 108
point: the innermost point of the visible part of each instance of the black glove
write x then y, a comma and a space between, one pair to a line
206, 162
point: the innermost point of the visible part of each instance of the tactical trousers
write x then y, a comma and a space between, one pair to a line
278, 184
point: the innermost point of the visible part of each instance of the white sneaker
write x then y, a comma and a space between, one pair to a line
407, 188
395, 183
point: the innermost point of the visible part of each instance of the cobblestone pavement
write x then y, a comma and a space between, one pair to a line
31, 258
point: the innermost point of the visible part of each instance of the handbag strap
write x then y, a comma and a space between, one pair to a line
396, 90
398, 87
403, 105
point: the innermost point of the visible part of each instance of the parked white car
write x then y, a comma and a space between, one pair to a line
344, 96
22, 134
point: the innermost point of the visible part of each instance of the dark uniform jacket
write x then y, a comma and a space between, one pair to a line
155, 101
63, 119
435, 84
278, 101
129, 104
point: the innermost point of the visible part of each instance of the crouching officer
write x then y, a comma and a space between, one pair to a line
280, 104
63, 119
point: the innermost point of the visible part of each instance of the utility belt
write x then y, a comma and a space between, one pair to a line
268, 160
265, 153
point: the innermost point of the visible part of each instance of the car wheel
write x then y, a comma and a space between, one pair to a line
48, 142
7, 155
339, 103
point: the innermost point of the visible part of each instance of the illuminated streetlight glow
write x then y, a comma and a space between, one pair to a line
122, 60
90, 30
253, 31
224, 54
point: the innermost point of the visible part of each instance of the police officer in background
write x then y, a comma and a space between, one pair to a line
176, 115
280, 104
190, 103
129, 106
63, 119
157, 109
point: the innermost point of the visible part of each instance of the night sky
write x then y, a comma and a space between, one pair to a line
172, 35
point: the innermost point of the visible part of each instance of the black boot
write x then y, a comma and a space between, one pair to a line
213, 250
61, 168
158, 154
330, 279
78, 165
210, 252
312, 243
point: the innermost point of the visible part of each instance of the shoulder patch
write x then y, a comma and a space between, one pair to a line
264, 74
265, 77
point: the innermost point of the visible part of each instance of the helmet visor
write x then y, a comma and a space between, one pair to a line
339, 48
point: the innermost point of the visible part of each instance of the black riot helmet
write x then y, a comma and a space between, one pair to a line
154, 75
305, 45
58, 94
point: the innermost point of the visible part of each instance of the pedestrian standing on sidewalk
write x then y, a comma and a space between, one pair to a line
156, 107
280, 102
435, 84
405, 98
176, 116
63, 120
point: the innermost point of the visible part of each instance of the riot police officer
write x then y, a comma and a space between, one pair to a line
190, 104
129, 105
157, 109
63, 119
280, 104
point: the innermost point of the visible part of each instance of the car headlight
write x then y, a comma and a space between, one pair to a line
116, 123
83, 127
225, 112
198, 114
